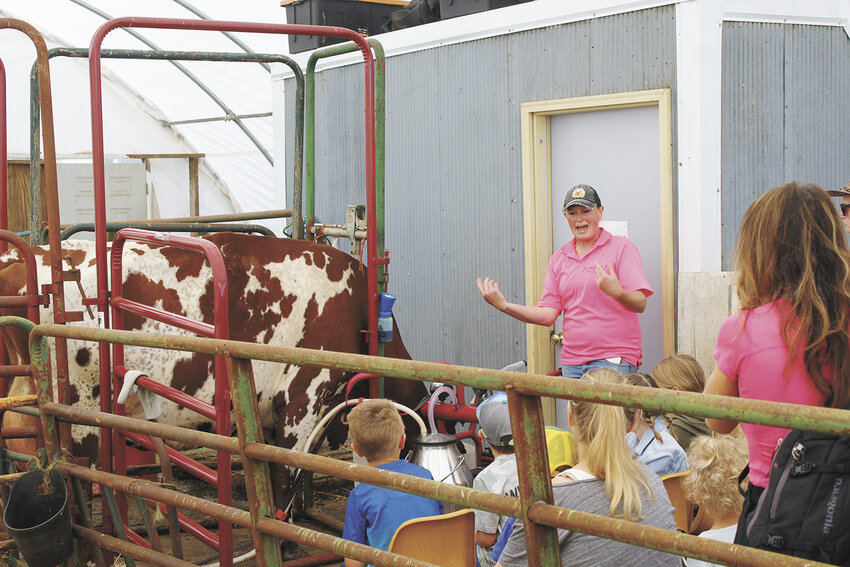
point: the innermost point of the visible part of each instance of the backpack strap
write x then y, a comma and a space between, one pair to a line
745, 472
779, 542
807, 467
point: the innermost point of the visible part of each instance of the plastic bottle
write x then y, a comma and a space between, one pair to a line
385, 318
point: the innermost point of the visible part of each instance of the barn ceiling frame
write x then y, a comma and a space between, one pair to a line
171, 56
191, 76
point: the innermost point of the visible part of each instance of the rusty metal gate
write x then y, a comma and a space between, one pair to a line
534, 506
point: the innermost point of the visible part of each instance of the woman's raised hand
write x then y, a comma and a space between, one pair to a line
489, 290
608, 281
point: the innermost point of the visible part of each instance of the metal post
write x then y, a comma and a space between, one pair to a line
534, 484
258, 485
83, 505
194, 197
56, 268
376, 257
112, 505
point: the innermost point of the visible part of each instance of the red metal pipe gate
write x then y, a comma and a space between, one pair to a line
117, 302
56, 287
219, 330
33, 300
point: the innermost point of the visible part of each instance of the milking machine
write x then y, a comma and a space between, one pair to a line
440, 449
439, 452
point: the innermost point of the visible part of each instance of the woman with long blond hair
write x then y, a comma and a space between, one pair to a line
790, 341
607, 480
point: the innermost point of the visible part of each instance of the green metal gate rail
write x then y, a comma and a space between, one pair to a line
665, 540
526, 413
380, 136
128, 550
166, 227
791, 416
264, 524
35, 181
226, 217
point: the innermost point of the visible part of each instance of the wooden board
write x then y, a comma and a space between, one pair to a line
18, 176
706, 299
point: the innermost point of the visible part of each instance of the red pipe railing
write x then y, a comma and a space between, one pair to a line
190, 526
202, 472
32, 300
169, 393
119, 304
249, 27
56, 289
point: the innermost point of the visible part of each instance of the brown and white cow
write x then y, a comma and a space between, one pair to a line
281, 292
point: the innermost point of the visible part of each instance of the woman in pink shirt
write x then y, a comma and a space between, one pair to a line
790, 341
596, 280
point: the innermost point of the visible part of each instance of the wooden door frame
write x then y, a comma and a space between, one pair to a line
537, 206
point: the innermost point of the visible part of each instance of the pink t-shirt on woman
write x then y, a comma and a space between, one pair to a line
595, 325
751, 352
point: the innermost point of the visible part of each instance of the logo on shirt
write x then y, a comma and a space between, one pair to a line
606, 267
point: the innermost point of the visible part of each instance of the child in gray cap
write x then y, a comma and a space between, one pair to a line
500, 477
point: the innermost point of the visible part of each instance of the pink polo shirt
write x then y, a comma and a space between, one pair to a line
750, 351
596, 326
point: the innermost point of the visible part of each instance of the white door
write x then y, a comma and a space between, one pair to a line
615, 151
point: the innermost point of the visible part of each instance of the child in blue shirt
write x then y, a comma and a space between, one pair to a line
373, 513
649, 437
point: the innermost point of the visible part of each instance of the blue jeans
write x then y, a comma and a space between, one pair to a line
624, 367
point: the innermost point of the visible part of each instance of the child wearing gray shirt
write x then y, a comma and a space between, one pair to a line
500, 477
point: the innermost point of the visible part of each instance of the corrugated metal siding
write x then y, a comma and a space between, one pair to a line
786, 114
454, 164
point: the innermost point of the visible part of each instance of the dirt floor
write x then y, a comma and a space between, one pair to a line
330, 498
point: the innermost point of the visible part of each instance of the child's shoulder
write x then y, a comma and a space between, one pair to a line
502, 468
406, 467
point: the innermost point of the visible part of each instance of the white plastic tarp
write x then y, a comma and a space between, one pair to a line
139, 97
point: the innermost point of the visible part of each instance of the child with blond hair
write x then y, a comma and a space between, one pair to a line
607, 481
374, 513
716, 463
649, 437
682, 372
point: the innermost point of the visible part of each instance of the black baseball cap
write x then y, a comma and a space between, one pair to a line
583, 195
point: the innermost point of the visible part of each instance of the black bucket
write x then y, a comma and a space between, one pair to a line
40, 523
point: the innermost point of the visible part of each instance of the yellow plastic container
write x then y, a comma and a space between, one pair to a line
562, 448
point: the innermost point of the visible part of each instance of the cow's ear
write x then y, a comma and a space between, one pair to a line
356, 450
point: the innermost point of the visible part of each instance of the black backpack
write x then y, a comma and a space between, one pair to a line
805, 509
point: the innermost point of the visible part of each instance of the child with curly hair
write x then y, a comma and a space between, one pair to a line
716, 463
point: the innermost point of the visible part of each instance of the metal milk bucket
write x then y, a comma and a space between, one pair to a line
39, 520
439, 454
